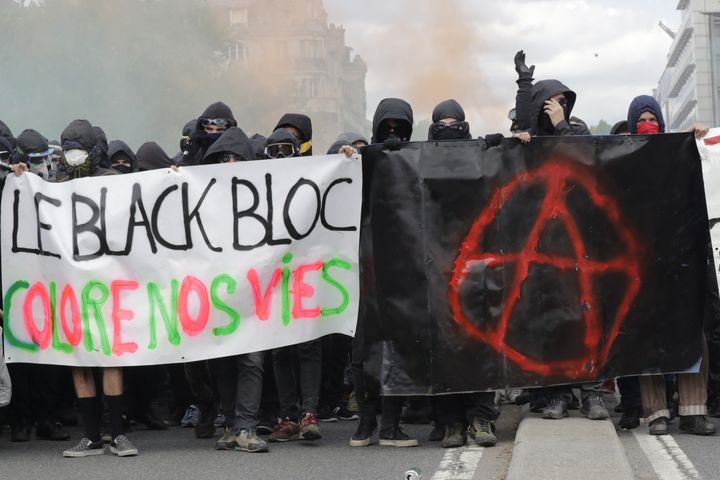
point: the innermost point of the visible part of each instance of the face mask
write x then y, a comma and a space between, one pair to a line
647, 128
122, 168
453, 131
40, 169
76, 157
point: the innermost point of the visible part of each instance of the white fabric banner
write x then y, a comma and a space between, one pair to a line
709, 148
175, 266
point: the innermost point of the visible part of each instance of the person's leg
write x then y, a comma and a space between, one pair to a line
655, 411
557, 402
19, 414
335, 355
286, 384
249, 392
693, 397
593, 405
482, 413
198, 377
390, 432
91, 443
310, 356
113, 390
450, 412
224, 372
631, 402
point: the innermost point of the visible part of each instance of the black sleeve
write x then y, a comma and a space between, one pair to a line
523, 103
564, 128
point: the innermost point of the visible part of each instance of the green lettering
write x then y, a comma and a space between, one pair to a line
170, 318
336, 262
56, 343
7, 302
224, 307
94, 305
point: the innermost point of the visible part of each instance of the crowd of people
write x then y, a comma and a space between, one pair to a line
282, 395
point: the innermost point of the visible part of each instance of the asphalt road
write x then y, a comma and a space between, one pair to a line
176, 454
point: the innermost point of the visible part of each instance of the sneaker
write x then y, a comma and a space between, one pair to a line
697, 425
593, 407
191, 417
363, 435
345, 414
395, 437
122, 447
482, 431
659, 426
437, 433
326, 414
227, 441
248, 441
51, 431
220, 419
84, 448
455, 436
630, 419
309, 428
555, 409
285, 430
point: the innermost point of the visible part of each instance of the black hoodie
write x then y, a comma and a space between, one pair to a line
233, 141
151, 156
118, 146
395, 109
540, 122
199, 141
5, 132
300, 122
214, 111
80, 134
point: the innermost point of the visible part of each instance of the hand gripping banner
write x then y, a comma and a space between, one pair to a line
567, 260
176, 266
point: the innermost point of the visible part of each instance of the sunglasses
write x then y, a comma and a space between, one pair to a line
218, 122
281, 150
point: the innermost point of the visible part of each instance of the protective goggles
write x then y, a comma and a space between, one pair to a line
462, 127
5, 155
281, 150
218, 122
41, 157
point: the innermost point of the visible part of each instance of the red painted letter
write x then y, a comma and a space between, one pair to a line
193, 326
75, 335
40, 337
263, 300
302, 289
119, 314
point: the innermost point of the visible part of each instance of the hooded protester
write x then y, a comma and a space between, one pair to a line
81, 158
449, 123
393, 121
103, 144
122, 158
208, 128
645, 117
552, 105
349, 138
620, 128
258, 143
151, 156
33, 150
301, 127
81, 153
282, 144
7, 134
232, 146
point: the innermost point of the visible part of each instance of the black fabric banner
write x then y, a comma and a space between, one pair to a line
566, 260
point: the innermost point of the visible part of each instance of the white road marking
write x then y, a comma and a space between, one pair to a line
666, 457
459, 463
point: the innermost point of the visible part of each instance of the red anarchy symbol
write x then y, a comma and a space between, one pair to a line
559, 176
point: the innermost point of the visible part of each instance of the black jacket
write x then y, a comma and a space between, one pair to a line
395, 109
198, 143
5, 132
233, 141
540, 122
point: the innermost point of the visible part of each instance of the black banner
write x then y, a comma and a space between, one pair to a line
566, 260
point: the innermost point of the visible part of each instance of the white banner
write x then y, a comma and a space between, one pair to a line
175, 266
709, 148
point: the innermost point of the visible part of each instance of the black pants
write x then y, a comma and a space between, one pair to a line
33, 393
463, 407
335, 357
712, 331
629, 388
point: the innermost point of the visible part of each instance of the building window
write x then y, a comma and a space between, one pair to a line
239, 17
237, 52
311, 49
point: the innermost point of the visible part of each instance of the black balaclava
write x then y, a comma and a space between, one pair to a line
459, 130
117, 149
392, 109
234, 141
216, 111
33, 150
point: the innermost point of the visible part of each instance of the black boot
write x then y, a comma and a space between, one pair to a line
363, 435
50, 431
697, 425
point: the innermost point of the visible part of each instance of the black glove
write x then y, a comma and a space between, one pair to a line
494, 139
520, 67
392, 143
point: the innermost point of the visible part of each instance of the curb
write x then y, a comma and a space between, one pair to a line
574, 447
